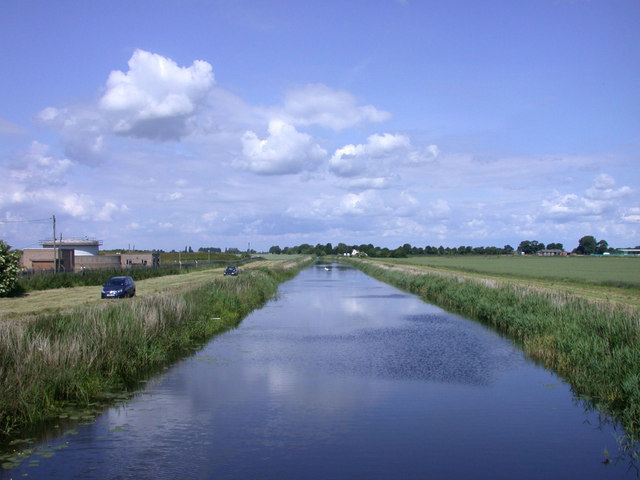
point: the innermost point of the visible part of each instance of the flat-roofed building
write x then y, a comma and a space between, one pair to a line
74, 255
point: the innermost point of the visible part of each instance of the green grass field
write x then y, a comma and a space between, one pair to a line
617, 271
603, 278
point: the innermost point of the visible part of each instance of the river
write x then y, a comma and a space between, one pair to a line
342, 376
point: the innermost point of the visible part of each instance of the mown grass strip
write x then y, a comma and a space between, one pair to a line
49, 280
595, 346
52, 360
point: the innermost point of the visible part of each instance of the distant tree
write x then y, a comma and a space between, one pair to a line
275, 250
319, 250
555, 246
601, 247
9, 268
530, 247
507, 249
342, 248
586, 245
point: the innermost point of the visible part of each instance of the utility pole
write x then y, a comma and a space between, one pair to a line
55, 254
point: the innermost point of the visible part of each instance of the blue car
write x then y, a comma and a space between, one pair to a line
231, 271
119, 287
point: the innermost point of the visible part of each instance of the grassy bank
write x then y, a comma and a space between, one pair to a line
50, 280
582, 270
594, 345
49, 361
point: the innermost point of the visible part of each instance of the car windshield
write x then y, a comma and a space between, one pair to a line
115, 282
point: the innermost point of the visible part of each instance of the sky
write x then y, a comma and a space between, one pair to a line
232, 123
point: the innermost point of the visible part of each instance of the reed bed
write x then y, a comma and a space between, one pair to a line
51, 361
594, 346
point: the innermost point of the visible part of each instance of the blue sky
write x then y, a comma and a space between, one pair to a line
224, 123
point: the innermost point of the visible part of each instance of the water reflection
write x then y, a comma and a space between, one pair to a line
345, 377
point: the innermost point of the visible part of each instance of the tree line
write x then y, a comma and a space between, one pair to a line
587, 245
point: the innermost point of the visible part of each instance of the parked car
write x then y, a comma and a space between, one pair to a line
119, 287
231, 271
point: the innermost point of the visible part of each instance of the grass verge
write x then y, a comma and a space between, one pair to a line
594, 345
51, 360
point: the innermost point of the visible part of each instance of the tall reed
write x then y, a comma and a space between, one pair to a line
74, 358
595, 346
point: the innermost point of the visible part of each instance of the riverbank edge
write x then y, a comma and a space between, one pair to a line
80, 358
594, 346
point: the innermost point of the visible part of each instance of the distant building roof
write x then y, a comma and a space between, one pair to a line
72, 242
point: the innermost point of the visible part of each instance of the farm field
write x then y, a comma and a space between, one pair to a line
41, 301
605, 278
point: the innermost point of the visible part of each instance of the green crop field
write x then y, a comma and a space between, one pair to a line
616, 271
603, 278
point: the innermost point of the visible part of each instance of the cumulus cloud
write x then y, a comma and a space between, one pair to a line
109, 210
37, 168
155, 99
82, 129
438, 209
379, 156
283, 151
602, 189
38, 178
156, 96
320, 105
632, 215
600, 199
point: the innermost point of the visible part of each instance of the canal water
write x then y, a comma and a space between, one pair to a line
342, 377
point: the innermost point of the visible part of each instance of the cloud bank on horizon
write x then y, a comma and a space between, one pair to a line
163, 153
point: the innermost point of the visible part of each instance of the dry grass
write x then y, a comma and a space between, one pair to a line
63, 299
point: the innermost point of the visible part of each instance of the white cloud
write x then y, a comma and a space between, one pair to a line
82, 128
156, 96
155, 99
438, 209
38, 180
210, 216
602, 189
598, 200
284, 151
366, 183
320, 105
383, 145
37, 169
632, 215
379, 157
168, 196
107, 212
